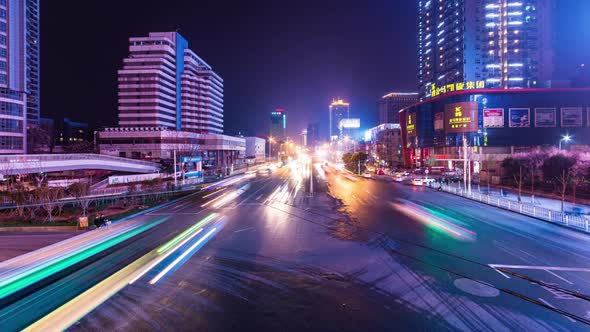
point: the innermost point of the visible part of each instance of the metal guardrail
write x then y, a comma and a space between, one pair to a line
557, 217
71, 156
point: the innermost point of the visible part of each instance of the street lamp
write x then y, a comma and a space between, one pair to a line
270, 141
565, 138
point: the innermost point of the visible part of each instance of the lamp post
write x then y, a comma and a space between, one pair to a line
565, 138
270, 141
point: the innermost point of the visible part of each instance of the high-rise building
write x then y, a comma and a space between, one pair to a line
313, 134
163, 83
501, 43
32, 60
391, 103
278, 124
339, 109
19, 72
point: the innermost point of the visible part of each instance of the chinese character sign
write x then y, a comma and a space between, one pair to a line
461, 117
411, 124
459, 86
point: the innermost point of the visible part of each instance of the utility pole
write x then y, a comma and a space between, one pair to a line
464, 163
174, 170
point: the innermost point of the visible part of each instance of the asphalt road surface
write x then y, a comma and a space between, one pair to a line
334, 252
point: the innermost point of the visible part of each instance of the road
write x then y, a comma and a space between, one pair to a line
353, 254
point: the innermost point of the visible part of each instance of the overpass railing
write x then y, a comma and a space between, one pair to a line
72, 156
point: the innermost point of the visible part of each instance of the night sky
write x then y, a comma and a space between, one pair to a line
292, 54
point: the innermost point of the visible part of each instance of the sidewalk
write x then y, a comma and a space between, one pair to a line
548, 203
545, 209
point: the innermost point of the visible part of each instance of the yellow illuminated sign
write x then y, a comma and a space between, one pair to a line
459, 86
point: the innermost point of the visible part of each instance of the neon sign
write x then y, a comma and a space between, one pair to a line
460, 86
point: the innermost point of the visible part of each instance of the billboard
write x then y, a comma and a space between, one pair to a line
461, 117
350, 123
193, 159
519, 117
439, 121
571, 116
545, 117
493, 117
411, 124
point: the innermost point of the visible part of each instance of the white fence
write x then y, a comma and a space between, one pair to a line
573, 221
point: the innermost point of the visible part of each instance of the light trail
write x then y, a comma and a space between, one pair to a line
28, 277
213, 193
214, 200
161, 258
433, 219
181, 257
202, 223
72, 311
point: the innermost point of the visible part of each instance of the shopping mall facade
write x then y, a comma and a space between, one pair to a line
492, 124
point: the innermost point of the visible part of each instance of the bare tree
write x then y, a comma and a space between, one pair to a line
49, 198
19, 196
80, 191
578, 173
514, 167
558, 168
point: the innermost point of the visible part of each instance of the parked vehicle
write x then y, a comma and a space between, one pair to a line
437, 170
417, 182
428, 181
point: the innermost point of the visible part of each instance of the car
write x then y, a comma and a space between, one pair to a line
367, 175
398, 178
380, 172
428, 181
417, 182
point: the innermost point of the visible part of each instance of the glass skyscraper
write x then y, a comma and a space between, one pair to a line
19, 72
504, 43
339, 109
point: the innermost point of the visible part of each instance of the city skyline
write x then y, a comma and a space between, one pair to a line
310, 166
390, 67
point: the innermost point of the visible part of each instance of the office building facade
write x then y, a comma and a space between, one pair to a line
494, 123
19, 72
313, 134
163, 83
391, 103
339, 110
468, 44
278, 124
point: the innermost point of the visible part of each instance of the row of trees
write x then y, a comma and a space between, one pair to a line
50, 201
355, 162
564, 170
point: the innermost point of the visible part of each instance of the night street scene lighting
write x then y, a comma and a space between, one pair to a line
294, 166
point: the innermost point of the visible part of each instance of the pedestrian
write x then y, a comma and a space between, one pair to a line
97, 221
102, 221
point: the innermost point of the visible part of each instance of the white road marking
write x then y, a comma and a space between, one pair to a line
533, 267
495, 269
560, 277
549, 304
243, 230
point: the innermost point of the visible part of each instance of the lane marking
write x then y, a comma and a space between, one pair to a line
550, 305
243, 230
533, 267
560, 277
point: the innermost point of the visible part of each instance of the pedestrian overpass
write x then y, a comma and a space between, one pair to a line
45, 163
